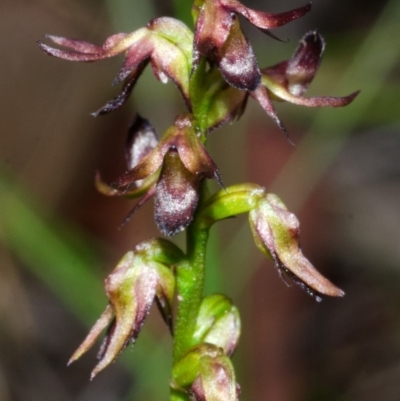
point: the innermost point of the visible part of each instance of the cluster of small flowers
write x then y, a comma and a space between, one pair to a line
216, 70
232, 76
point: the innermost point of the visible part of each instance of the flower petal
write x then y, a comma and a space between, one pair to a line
94, 333
290, 79
186, 369
304, 63
182, 137
237, 61
175, 32
216, 381
119, 100
142, 139
317, 101
74, 44
212, 28
114, 45
149, 192
165, 293
191, 151
148, 166
177, 195
133, 192
262, 19
176, 66
296, 74
172, 56
261, 95
218, 323
137, 54
131, 288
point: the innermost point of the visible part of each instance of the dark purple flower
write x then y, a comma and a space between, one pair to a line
289, 80
219, 38
165, 42
172, 170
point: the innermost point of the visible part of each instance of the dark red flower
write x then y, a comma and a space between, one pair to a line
165, 42
219, 38
172, 170
289, 80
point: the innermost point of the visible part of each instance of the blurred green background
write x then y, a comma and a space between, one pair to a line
60, 238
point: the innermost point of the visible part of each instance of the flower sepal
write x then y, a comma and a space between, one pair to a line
141, 140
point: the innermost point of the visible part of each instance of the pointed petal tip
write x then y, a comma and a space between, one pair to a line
54, 38
334, 292
218, 178
47, 49
76, 355
98, 368
280, 125
352, 96
331, 290
313, 36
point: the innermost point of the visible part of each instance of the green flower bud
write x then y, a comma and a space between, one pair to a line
185, 371
206, 374
218, 323
216, 380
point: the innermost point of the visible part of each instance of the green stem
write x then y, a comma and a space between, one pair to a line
178, 396
190, 285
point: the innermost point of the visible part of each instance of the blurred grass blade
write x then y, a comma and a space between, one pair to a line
69, 272
182, 11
